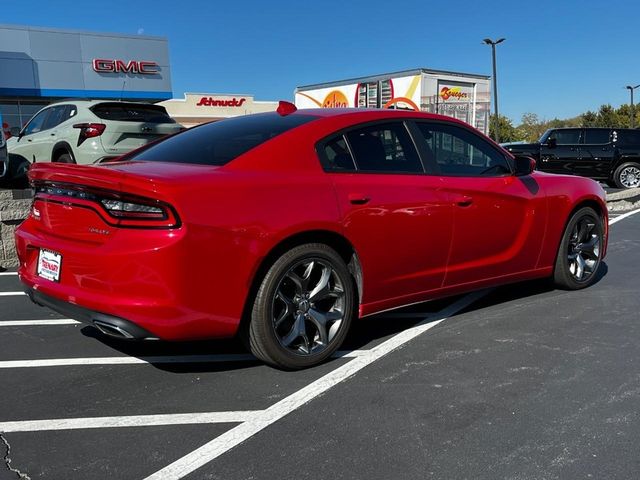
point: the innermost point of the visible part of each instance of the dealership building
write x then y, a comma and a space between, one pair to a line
39, 66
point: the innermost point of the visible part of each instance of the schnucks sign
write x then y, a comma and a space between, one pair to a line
214, 102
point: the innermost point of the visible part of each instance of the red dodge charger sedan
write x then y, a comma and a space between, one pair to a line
283, 227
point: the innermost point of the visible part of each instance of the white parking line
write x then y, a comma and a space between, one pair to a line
28, 323
623, 216
263, 419
10, 294
2, 274
129, 360
129, 421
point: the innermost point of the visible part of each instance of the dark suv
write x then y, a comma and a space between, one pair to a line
608, 154
4, 159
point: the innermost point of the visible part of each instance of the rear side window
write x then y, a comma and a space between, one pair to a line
337, 157
220, 142
384, 148
627, 137
59, 114
132, 112
596, 136
569, 136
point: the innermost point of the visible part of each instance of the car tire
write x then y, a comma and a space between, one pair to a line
580, 252
65, 158
16, 176
627, 175
303, 308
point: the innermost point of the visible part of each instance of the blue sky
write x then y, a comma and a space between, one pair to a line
560, 57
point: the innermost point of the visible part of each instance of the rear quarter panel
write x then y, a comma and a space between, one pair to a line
235, 220
565, 194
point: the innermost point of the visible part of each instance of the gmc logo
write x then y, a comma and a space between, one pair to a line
102, 65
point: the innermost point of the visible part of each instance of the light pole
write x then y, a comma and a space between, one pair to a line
632, 113
493, 44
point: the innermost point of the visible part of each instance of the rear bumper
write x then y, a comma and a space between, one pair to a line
138, 282
107, 324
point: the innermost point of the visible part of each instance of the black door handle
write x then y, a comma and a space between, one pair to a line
357, 199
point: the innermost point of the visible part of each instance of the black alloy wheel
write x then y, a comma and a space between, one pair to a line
580, 253
303, 309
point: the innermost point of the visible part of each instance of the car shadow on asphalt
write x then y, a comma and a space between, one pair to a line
365, 333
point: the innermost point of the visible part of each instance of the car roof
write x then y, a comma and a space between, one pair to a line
92, 102
361, 114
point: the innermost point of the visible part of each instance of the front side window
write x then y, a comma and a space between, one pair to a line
37, 123
570, 136
457, 151
384, 148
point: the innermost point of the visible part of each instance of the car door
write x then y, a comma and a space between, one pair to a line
33, 141
561, 152
596, 153
397, 217
499, 219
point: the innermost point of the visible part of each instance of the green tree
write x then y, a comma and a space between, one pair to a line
531, 127
508, 133
589, 119
607, 117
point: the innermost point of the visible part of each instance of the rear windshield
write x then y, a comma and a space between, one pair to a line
132, 112
220, 142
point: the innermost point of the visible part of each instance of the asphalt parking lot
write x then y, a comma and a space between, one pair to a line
519, 382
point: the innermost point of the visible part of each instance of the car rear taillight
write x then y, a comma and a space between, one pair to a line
115, 208
89, 130
121, 209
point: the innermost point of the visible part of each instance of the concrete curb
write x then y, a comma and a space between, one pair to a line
623, 194
14, 208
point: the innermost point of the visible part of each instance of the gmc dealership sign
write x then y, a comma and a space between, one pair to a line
102, 65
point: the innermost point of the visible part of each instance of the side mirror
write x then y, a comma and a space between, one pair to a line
552, 143
15, 131
524, 166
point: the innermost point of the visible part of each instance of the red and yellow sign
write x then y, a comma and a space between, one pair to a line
454, 92
335, 99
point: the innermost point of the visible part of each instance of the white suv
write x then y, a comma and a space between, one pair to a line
88, 131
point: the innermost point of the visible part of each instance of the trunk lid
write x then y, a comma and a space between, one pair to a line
93, 203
